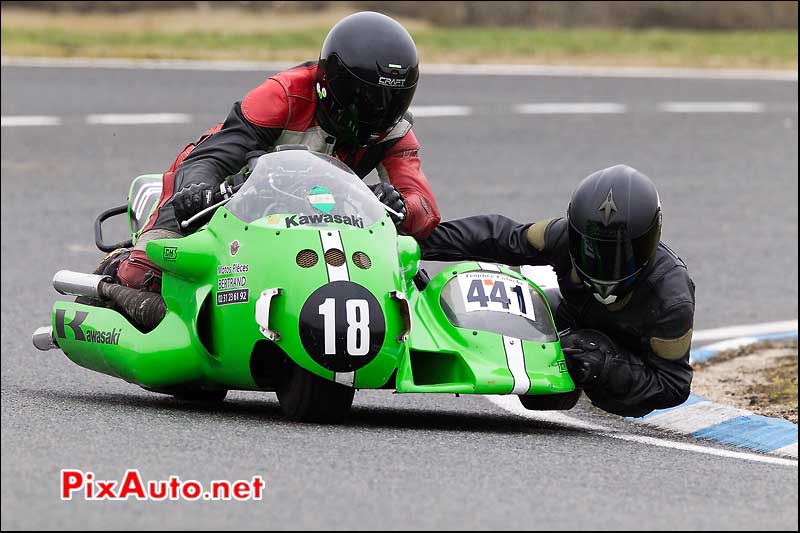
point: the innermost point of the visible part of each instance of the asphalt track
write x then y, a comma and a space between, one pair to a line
728, 185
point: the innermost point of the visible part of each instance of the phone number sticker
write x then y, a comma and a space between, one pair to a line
488, 291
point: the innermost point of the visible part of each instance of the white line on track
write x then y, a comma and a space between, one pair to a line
420, 111
580, 108
711, 107
608, 72
138, 118
427, 69
441, 111
512, 405
31, 120
748, 330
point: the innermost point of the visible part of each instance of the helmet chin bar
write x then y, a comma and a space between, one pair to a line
606, 292
608, 300
603, 292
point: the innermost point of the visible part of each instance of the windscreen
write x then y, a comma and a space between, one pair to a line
307, 189
496, 302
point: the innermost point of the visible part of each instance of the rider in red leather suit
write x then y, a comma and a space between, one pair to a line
335, 106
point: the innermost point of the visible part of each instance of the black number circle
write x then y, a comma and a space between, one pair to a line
330, 327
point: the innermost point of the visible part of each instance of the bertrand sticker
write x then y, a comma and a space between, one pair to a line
231, 283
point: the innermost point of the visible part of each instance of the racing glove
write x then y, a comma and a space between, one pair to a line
194, 198
587, 353
391, 197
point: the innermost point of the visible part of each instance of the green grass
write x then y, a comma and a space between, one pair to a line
660, 46
775, 49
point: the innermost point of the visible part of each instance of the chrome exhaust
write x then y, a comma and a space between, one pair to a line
78, 283
43, 339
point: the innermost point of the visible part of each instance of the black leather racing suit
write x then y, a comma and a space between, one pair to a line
651, 328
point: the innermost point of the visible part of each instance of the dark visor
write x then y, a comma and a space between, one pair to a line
367, 106
611, 259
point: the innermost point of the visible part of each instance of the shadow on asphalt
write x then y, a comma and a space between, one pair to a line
376, 417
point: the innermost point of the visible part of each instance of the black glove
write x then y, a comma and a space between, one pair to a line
194, 198
587, 353
392, 198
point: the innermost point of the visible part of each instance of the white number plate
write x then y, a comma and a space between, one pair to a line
487, 291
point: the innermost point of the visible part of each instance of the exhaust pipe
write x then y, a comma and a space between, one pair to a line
78, 283
145, 308
43, 339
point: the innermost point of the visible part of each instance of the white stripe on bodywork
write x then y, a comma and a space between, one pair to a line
489, 266
332, 240
345, 378
516, 364
143, 196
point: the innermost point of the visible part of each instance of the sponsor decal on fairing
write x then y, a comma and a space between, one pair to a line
305, 220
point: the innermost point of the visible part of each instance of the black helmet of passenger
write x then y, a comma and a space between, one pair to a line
366, 78
614, 229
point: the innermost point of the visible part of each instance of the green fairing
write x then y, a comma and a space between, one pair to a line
172, 353
201, 343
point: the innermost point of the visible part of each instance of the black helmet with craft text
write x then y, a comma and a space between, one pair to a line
366, 77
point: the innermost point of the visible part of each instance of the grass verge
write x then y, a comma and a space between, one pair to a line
297, 36
761, 378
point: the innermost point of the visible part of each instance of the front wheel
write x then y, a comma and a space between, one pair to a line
306, 397
551, 402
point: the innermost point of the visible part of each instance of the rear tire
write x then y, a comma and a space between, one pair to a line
551, 402
306, 397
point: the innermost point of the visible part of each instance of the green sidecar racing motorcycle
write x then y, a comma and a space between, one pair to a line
300, 285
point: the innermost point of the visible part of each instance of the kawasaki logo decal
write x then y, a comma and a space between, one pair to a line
92, 335
304, 220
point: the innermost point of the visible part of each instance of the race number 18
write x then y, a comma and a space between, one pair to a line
357, 314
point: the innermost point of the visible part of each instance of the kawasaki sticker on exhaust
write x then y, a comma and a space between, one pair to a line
90, 335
